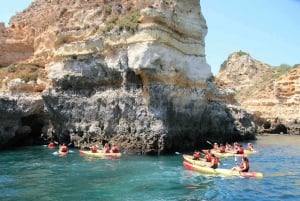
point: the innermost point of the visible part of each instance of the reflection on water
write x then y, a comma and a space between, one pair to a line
35, 173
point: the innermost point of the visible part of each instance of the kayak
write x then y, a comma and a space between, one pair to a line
220, 171
190, 159
230, 154
100, 154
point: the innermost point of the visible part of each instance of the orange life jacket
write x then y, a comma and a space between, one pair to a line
107, 149
51, 145
240, 150
196, 155
115, 149
63, 148
216, 162
208, 157
94, 149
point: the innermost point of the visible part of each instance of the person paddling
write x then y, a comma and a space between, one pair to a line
228, 147
215, 162
63, 148
94, 149
250, 147
208, 156
107, 148
196, 155
51, 144
222, 148
240, 149
115, 149
244, 166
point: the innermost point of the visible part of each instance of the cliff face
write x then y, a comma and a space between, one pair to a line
272, 95
128, 72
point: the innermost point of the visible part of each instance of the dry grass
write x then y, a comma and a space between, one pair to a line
27, 73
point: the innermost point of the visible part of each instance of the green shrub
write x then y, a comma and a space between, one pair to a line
241, 53
12, 69
107, 9
130, 21
282, 69
29, 77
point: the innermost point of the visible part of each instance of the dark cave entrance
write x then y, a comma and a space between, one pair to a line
33, 135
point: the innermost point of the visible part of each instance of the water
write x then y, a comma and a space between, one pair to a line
36, 174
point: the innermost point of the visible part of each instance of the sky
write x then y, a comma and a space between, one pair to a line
269, 30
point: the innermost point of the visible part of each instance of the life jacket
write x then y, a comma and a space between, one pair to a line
94, 149
115, 149
240, 150
222, 149
208, 157
247, 166
107, 149
196, 155
63, 148
216, 162
51, 145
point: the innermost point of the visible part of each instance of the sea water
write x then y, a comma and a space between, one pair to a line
39, 174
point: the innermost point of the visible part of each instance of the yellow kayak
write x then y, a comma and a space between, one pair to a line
220, 171
230, 154
190, 159
100, 154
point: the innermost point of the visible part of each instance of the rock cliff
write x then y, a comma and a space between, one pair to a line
271, 94
131, 73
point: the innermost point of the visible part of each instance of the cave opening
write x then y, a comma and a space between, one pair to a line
31, 135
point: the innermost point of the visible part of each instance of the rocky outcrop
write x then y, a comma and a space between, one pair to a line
131, 73
273, 96
21, 117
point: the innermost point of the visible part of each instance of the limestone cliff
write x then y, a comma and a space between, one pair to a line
128, 72
273, 96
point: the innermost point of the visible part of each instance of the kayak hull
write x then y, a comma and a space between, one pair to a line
190, 159
220, 171
230, 154
101, 154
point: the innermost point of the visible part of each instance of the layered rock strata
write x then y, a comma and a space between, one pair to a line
273, 96
131, 73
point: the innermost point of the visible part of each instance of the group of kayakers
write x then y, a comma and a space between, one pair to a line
212, 161
61, 149
227, 148
94, 149
107, 148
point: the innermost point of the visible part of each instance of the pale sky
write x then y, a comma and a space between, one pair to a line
269, 30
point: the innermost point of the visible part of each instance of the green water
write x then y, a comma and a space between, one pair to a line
36, 174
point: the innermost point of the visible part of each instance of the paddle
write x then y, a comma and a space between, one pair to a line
209, 143
235, 159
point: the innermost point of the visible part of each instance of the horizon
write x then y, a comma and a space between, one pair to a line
268, 32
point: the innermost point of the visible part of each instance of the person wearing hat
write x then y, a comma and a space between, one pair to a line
244, 166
